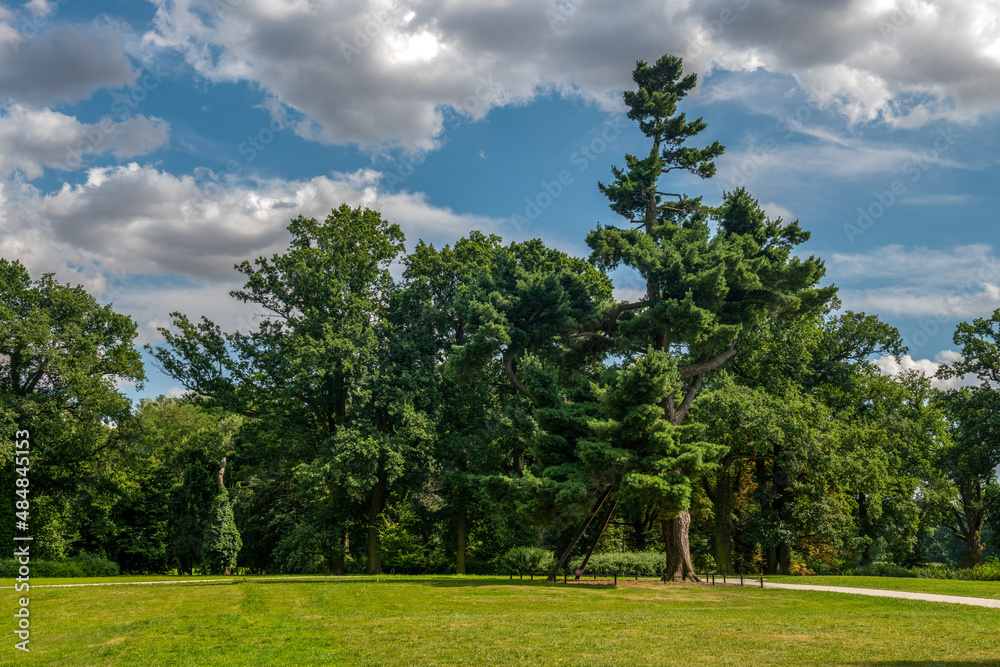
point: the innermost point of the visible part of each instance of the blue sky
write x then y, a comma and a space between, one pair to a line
146, 147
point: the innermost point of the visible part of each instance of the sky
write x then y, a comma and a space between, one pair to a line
148, 146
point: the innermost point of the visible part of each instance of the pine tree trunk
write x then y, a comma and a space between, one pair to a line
374, 511
460, 553
677, 548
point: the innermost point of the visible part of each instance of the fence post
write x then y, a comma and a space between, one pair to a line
723, 576
616, 577
762, 580
741, 578
713, 578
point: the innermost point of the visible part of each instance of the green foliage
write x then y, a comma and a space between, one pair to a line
62, 357
402, 551
634, 562
988, 571
222, 542
82, 565
526, 560
882, 570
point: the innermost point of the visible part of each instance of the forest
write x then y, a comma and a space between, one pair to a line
489, 406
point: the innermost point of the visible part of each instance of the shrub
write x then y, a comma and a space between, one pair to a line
990, 571
84, 565
527, 560
637, 562
881, 570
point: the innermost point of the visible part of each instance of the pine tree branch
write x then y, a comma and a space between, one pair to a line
696, 369
508, 370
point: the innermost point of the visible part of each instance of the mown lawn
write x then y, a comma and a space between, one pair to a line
475, 621
975, 589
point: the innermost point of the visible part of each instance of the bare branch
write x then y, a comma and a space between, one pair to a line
609, 323
693, 370
689, 397
508, 370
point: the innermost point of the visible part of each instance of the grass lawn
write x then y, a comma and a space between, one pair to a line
974, 589
474, 621
61, 581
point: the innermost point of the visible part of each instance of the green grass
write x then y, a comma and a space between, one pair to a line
975, 589
474, 621
57, 581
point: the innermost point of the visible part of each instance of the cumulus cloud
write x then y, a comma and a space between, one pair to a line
905, 61
132, 219
384, 71
65, 64
32, 139
927, 368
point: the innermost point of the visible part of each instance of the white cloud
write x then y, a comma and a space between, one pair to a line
926, 367
65, 64
379, 71
32, 139
958, 283
130, 232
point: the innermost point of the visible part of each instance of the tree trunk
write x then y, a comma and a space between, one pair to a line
723, 521
572, 545
974, 555
865, 529
460, 553
677, 548
784, 553
770, 560
597, 538
375, 510
339, 564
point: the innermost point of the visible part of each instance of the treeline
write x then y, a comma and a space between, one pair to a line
493, 400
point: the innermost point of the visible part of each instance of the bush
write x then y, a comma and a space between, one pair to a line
989, 571
637, 562
84, 565
881, 570
527, 560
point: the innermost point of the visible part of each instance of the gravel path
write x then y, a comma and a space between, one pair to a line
907, 595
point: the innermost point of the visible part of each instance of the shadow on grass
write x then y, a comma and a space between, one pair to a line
925, 663
433, 581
